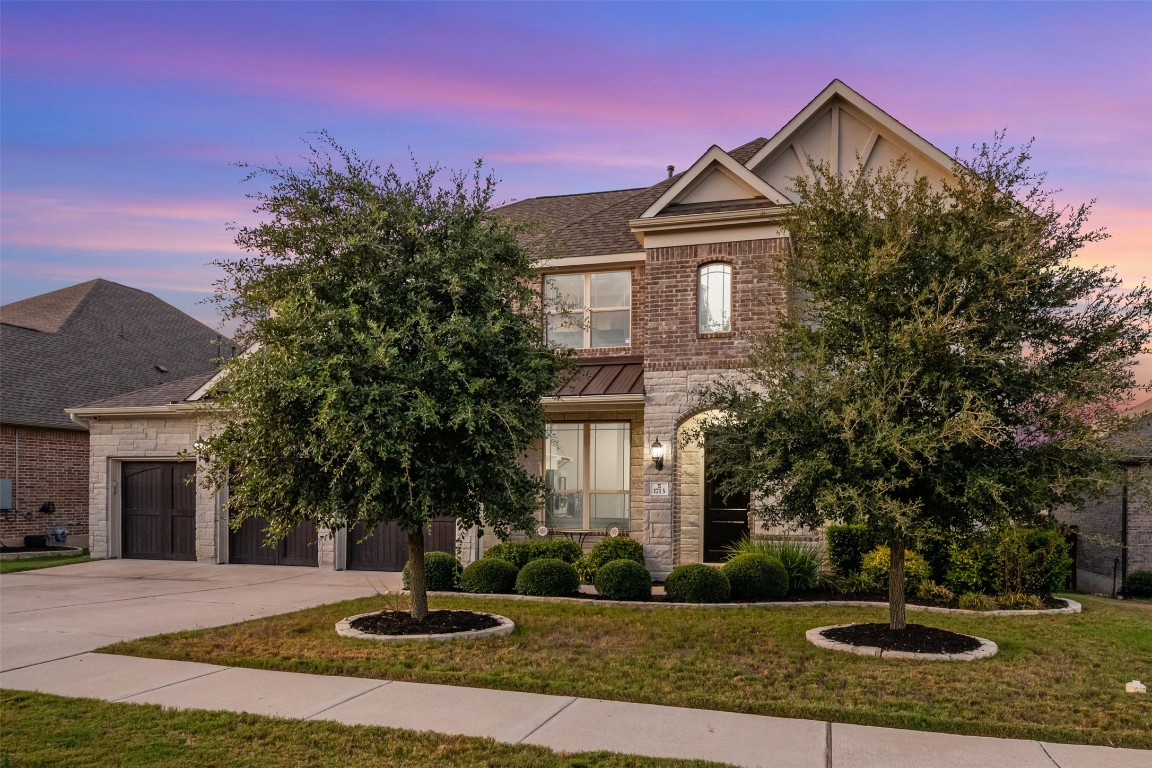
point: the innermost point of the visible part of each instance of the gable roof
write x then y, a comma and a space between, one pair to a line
93, 341
741, 184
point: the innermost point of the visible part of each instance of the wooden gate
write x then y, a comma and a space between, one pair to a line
158, 510
247, 546
387, 548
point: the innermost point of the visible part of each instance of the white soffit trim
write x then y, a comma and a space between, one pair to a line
590, 261
591, 402
838, 89
756, 186
179, 409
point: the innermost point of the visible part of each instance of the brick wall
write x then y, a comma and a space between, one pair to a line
672, 340
53, 466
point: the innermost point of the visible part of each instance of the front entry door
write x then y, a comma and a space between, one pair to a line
158, 510
725, 519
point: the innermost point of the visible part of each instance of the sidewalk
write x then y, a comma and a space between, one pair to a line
137, 600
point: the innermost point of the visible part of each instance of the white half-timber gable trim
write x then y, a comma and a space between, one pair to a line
829, 99
716, 160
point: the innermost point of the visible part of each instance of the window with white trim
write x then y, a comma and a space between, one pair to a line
586, 473
714, 298
590, 310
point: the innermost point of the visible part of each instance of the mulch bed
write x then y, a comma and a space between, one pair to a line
435, 623
916, 638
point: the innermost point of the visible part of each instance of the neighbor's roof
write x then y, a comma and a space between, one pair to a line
90, 342
596, 223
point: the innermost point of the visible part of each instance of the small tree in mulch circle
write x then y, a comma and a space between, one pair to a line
398, 363
950, 367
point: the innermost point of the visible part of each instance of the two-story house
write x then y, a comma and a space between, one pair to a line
659, 289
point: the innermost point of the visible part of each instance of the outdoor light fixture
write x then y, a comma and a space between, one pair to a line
201, 448
658, 454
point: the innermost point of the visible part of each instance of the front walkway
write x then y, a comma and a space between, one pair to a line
51, 618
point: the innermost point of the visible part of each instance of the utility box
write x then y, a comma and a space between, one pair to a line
6, 501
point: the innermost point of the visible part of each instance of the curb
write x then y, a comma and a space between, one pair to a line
505, 627
815, 636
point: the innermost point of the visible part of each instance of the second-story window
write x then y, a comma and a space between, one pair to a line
590, 310
714, 299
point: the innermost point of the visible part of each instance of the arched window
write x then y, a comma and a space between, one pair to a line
714, 298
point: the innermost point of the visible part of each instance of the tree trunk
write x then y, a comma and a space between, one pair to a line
896, 613
417, 584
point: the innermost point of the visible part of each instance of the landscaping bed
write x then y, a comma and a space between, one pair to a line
915, 638
435, 623
1058, 678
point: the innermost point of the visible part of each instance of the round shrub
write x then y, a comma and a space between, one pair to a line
874, 571
1138, 584
520, 553
617, 548
441, 572
697, 583
623, 580
489, 575
756, 577
548, 577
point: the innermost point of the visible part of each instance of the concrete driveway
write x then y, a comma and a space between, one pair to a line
59, 612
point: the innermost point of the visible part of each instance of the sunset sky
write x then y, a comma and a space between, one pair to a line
121, 122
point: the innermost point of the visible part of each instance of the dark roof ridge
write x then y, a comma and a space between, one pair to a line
578, 194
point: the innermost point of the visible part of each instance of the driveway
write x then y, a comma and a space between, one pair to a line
59, 612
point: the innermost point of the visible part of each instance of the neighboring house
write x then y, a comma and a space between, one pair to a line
1114, 534
65, 348
660, 289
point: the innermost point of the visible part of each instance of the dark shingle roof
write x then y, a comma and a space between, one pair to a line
162, 394
596, 223
89, 342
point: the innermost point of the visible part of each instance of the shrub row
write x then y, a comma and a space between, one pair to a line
520, 553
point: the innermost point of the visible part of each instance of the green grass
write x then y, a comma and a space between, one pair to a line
36, 563
42, 730
1057, 678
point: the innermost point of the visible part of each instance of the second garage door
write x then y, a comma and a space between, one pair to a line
247, 546
387, 548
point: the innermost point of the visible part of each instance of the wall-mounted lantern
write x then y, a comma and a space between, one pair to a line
658, 454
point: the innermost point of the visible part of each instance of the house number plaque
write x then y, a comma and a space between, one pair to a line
657, 489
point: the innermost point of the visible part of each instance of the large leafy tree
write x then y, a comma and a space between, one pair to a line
396, 360
946, 365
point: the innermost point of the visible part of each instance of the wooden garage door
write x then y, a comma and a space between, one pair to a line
247, 546
158, 510
387, 548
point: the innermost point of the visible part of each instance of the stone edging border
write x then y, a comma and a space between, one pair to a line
1071, 605
58, 552
505, 627
815, 636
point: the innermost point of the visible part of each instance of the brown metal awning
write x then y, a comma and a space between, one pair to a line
606, 377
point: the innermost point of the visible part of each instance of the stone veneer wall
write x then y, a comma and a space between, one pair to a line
45, 465
116, 439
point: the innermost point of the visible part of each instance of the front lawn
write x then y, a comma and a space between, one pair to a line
36, 563
1057, 678
51, 731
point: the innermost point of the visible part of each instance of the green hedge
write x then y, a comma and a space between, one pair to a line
1029, 560
697, 583
489, 575
847, 545
441, 572
520, 553
623, 580
874, 570
1138, 584
547, 577
756, 576
619, 548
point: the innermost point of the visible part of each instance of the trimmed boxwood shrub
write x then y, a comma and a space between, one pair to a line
489, 575
874, 571
617, 548
1138, 584
441, 572
755, 576
697, 583
520, 553
847, 545
548, 577
623, 580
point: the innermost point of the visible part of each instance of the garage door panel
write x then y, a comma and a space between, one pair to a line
247, 545
158, 510
387, 548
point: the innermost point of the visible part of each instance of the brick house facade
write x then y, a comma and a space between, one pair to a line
49, 473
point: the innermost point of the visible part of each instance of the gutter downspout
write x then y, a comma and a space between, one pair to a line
1123, 534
